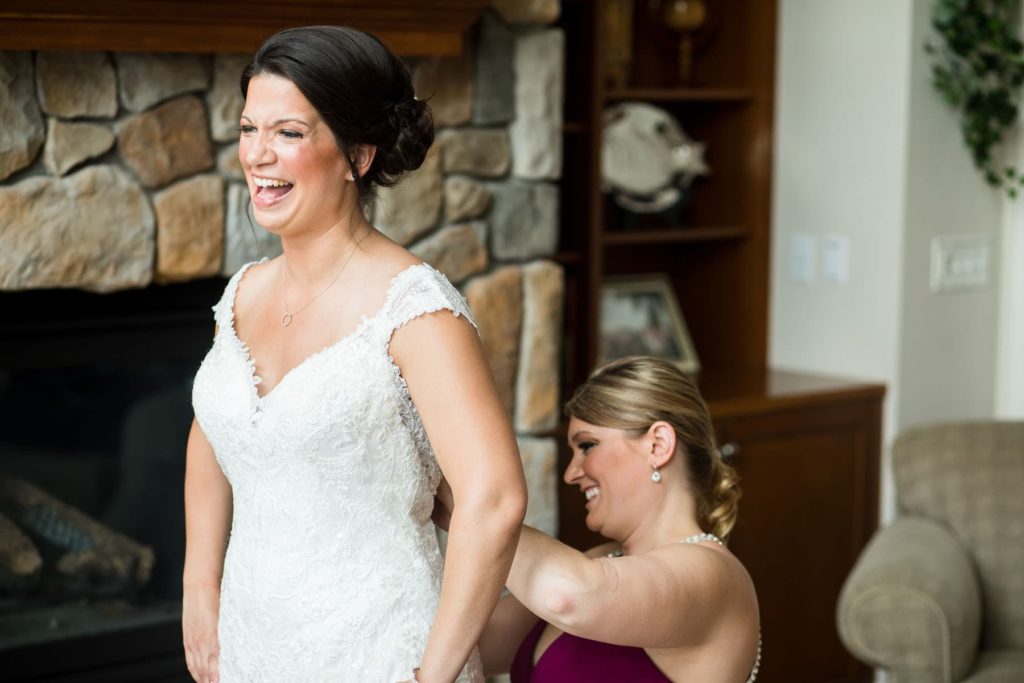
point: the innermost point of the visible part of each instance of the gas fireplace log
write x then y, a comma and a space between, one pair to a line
20, 563
82, 556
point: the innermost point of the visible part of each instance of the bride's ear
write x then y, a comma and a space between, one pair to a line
362, 158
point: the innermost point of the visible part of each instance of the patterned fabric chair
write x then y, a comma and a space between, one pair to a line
938, 595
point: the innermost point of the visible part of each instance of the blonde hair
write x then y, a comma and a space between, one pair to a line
635, 392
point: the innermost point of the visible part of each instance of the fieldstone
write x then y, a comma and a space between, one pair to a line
228, 163
536, 133
496, 300
92, 229
465, 198
537, 407
494, 101
167, 142
524, 220
245, 240
21, 125
69, 144
540, 464
224, 98
475, 151
145, 79
447, 83
458, 251
413, 206
190, 229
74, 84
527, 11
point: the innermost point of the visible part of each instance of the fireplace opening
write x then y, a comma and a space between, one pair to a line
95, 407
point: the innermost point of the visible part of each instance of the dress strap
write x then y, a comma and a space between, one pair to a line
418, 290
224, 310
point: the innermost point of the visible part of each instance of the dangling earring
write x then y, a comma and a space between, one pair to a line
655, 475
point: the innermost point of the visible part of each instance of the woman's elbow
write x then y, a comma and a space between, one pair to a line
499, 508
515, 505
507, 502
564, 604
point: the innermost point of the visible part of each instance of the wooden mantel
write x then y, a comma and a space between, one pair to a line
409, 27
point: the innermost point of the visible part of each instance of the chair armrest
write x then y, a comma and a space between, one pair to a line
912, 603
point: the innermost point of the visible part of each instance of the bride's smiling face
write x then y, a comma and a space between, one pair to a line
296, 172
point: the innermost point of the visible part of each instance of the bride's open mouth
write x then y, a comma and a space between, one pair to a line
269, 191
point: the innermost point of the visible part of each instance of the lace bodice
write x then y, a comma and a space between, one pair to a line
332, 572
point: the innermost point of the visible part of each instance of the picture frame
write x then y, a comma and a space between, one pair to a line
640, 315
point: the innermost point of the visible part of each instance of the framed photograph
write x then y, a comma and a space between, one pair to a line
640, 316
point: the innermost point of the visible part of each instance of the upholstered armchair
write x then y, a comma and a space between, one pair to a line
938, 595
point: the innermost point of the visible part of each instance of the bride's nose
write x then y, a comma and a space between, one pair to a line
256, 152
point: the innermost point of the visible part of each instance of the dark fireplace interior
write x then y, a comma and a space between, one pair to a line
95, 408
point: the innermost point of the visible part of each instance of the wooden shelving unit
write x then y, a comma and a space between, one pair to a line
670, 235
705, 95
806, 448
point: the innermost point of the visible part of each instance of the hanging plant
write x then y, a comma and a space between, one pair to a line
979, 68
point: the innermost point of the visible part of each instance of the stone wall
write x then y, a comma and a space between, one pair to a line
119, 170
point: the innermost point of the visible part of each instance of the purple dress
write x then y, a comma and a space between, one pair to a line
571, 658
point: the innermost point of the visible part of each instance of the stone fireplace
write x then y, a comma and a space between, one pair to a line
122, 213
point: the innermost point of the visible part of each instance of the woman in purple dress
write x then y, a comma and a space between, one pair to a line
666, 601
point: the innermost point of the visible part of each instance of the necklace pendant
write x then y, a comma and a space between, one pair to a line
286, 320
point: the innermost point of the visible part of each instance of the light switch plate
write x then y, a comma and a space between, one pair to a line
803, 258
835, 259
960, 262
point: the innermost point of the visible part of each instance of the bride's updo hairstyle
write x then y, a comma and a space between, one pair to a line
362, 91
633, 393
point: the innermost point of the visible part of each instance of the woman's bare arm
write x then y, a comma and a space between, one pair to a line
207, 524
505, 631
444, 366
664, 598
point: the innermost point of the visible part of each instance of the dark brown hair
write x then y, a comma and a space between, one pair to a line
362, 91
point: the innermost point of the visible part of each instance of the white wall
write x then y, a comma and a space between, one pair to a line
843, 73
866, 149
948, 340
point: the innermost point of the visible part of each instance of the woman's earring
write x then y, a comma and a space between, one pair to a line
655, 475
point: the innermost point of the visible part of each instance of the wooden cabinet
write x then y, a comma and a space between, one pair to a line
807, 452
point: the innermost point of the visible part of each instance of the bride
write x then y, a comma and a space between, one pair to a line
345, 378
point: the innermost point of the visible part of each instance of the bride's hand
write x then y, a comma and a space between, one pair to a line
443, 504
199, 614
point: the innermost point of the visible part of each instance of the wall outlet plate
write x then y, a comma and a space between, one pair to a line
960, 262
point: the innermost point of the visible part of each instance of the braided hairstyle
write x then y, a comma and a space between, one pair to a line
363, 92
635, 392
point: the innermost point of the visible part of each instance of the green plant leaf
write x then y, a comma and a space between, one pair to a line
978, 69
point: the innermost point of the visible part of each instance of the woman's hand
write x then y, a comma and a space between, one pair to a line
199, 613
444, 503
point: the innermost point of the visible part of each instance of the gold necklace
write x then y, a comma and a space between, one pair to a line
286, 319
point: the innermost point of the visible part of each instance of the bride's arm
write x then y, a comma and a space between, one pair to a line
443, 364
207, 524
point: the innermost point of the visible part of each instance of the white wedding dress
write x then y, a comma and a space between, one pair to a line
332, 572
